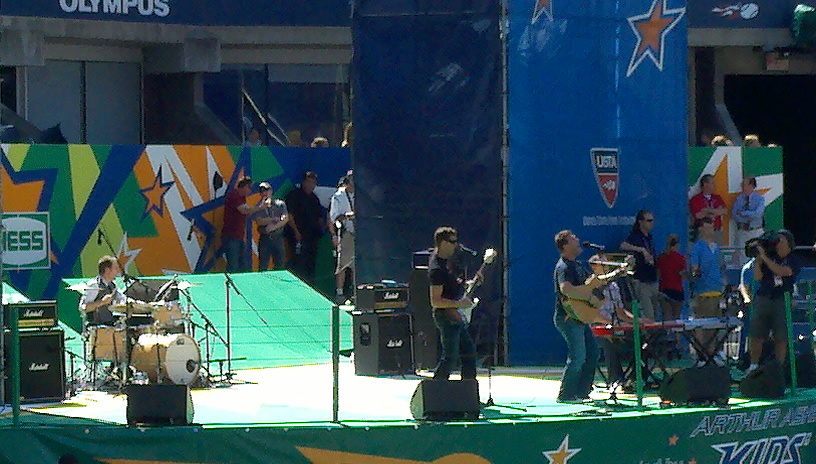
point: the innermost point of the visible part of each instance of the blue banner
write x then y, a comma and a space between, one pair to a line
427, 134
597, 112
193, 12
732, 14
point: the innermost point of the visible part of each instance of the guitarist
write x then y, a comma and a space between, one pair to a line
582, 349
447, 293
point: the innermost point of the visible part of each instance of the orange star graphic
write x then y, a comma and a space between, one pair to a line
652, 29
542, 7
673, 440
562, 454
155, 195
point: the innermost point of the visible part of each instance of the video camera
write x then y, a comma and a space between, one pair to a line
767, 241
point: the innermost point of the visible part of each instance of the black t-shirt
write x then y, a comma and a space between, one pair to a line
768, 286
307, 213
566, 271
441, 272
644, 271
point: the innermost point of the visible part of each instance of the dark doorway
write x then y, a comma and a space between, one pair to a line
782, 110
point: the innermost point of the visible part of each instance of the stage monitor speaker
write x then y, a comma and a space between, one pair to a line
707, 384
425, 333
159, 405
443, 400
767, 381
42, 366
382, 344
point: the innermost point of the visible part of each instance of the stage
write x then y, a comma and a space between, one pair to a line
285, 415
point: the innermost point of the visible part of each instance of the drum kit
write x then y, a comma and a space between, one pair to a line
148, 343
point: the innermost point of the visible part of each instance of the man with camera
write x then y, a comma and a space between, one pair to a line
776, 270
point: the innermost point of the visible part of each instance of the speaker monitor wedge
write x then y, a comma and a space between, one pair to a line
707, 384
442, 400
159, 405
767, 381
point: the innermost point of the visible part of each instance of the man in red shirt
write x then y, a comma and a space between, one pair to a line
233, 232
709, 204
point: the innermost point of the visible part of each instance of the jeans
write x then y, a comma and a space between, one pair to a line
582, 359
270, 247
234, 252
648, 296
457, 344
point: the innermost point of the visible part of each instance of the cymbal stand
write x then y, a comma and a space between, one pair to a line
209, 330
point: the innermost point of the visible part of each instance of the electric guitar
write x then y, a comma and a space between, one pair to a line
489, 256
583, 310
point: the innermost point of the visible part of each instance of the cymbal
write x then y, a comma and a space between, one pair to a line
80, 287
184, 285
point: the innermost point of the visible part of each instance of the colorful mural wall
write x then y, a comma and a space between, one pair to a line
158, 208
729, 165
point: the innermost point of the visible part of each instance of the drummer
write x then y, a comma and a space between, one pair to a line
101, 292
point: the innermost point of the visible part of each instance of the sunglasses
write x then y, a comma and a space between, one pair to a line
454, 241
648, 220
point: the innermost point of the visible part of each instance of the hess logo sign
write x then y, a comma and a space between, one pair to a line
25, 241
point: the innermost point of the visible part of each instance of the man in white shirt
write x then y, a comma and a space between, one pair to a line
341, 215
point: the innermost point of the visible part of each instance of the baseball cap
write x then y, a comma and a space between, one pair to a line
264, 186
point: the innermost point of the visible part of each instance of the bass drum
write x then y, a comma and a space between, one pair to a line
175, 358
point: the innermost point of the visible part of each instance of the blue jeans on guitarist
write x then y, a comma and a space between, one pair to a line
582, 359
457, 344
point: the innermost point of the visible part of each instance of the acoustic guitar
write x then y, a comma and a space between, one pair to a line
583, 310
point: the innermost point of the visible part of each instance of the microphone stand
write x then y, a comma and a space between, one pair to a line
228, 282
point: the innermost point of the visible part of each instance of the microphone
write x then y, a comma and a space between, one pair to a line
99, 236
467, 250
593, 245
190, 232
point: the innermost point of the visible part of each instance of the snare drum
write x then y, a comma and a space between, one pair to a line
107, 343
168, 316
176, 355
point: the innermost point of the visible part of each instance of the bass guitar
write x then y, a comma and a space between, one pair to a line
489, 256
586, 312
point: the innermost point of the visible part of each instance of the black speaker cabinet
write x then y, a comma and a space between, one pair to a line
159, 405
445, 400
768, 381
698, 385
382, 343
42, 366
425, 335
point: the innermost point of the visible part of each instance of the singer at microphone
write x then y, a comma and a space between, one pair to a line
593, 246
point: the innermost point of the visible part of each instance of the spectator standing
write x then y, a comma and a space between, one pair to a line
671, 265
341, 215
641, 242
708, 204
307, 225
271, 219
751, 140
747, 213
233, 232
705, 263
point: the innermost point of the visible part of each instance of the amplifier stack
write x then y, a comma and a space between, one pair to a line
382, 330
42, 352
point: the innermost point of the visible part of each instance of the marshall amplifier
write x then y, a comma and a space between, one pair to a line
42, 367
382, 343
371, 297
33, 314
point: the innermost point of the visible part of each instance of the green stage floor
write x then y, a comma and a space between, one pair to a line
283, 415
